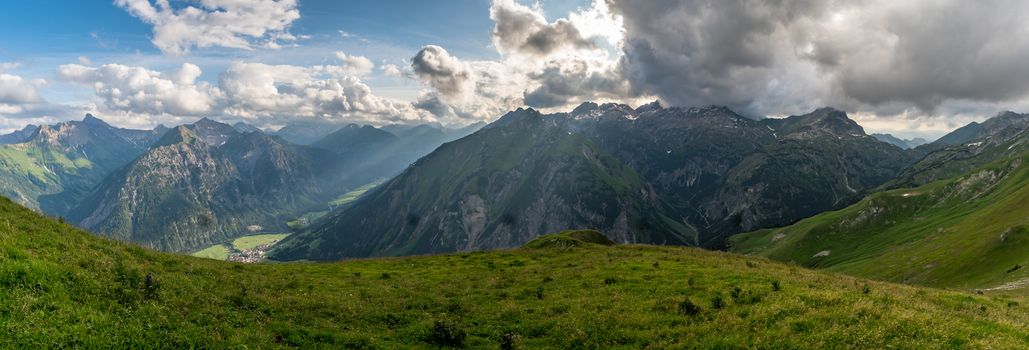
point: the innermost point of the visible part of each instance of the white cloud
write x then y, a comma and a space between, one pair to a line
4, 66
357, 65
139, 90
260, 93
226, 23
15, 90
523, 30
391, 70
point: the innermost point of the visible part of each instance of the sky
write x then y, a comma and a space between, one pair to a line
916, 68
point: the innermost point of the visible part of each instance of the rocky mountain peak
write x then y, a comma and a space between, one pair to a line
212, 132
516, 116
826, 120
585, 108
650, 107
178, 134
89, 119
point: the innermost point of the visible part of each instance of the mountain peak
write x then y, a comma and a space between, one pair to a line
585, 107
831, 120
89, 119
653, 106
178, 134
518, 115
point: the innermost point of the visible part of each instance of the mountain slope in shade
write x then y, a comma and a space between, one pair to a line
499, 187
57, 165
724, 173
203, 184
971, 231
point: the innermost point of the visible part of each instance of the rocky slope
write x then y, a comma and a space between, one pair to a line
202, 184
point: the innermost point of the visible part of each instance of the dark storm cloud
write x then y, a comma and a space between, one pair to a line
859, 54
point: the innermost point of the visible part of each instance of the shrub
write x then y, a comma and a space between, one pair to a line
447, 333
735, 293
866, 289
539, 293
509, 341
610, 280
385, 276
688, 308
775, 286
547, 279
150, 287
717, 303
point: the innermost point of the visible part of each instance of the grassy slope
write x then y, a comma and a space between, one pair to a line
251, 242
967, 232
31, 170
62, 287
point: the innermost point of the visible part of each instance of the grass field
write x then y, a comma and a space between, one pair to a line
62, 287
217, 252
222, 251
251, 242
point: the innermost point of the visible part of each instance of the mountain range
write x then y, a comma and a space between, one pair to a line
650, 174
183, 188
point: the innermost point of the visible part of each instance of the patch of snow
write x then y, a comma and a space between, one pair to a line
668, 152
769, 128
778, 236
821, 254
974, 144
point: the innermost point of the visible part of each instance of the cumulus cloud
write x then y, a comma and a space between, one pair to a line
140, 90
225, 23
260, 90
391, 70
441, 71
256, 92
358, 65
523, 30
16, 90
544, 64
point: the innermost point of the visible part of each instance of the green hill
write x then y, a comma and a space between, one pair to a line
61, 287
971, 231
